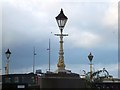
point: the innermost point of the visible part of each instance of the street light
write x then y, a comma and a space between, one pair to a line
8, 53
90, 57
61, 21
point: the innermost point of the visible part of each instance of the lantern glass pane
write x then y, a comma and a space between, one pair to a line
8, 56
61, 23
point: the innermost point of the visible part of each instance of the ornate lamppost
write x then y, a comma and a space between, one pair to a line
90, 57
8, 53
61, 21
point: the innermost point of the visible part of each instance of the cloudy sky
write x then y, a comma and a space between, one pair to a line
92, 27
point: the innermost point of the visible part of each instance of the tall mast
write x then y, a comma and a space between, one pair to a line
49, 54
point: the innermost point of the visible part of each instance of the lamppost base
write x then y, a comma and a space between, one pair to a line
63, 71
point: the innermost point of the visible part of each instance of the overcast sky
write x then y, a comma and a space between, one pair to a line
92, 26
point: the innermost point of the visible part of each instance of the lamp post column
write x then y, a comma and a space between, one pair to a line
7, 67
61, 64
91, 71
